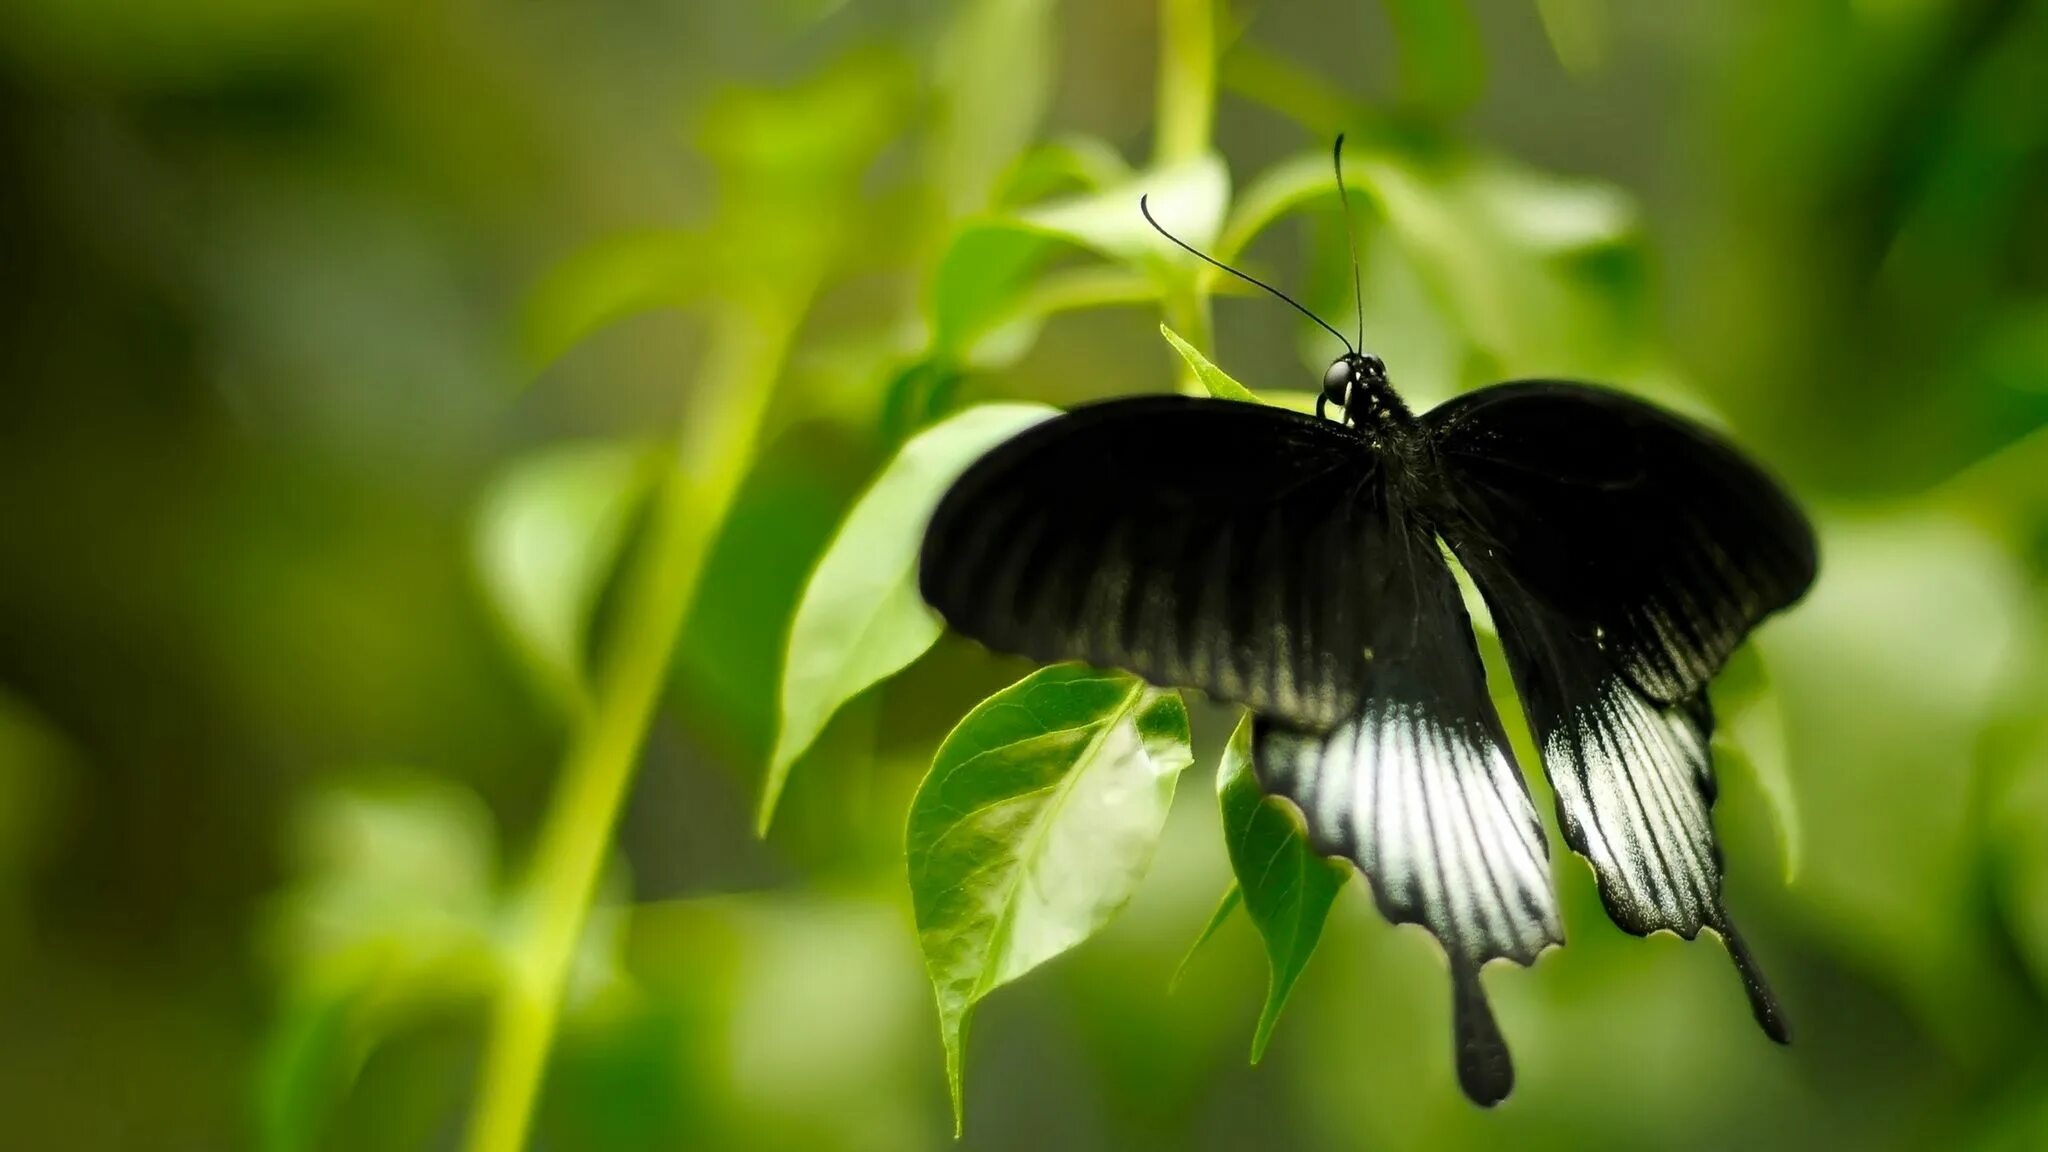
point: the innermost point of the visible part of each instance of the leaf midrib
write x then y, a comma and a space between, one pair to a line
999, 937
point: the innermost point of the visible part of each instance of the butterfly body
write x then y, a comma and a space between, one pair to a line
1296, 565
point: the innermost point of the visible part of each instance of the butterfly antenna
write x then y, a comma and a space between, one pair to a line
1247, 278
1350, 236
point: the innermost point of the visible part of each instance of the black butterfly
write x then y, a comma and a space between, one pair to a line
1296, 565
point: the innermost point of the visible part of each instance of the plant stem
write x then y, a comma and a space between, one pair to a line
657, 588
1186, 103
1186, 114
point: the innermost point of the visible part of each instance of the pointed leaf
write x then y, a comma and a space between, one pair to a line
1215, 379
1750, 723
1288, 886
1039, 817
1232, 897
861, 618
548, 537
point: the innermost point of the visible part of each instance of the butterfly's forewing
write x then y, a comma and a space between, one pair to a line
1270, 560
1627, 518
1198, 543
1419, 788
1624, 553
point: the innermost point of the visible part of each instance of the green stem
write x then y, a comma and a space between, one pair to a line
1186, 111
1186, 105
748, 348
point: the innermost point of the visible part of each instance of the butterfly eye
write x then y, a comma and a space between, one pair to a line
1336, 380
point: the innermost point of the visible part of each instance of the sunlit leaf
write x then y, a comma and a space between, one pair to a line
1189, 198
1750, 722
1287, 885
548, 536
1443, 67
1232, 897
861, 618
1215, 379
1037, 821
1087, 162
987, 277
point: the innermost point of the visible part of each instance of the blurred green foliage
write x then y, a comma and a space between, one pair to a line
424, 419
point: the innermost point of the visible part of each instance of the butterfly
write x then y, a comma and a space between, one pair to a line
1300, 566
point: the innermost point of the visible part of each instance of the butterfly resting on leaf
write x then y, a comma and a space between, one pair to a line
1296, 565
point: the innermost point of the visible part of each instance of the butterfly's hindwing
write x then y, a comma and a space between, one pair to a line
1420, 790
1624, 554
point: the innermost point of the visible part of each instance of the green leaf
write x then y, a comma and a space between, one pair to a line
548, 536
861, 619
1288, 886
1276, 192
1536, 270
609, 282
987, 264
987, 275
1442, 65
1189, 198
1039, 817
1232, 897
1276, 82
1215, 379
393, 911
1750, 723
1090, 162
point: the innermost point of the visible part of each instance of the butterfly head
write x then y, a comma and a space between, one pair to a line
1356, 385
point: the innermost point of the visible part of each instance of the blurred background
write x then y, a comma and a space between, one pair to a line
384, 381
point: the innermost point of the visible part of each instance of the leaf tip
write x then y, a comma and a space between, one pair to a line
1214, 380
954, 1039
779, 763
1224, 907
